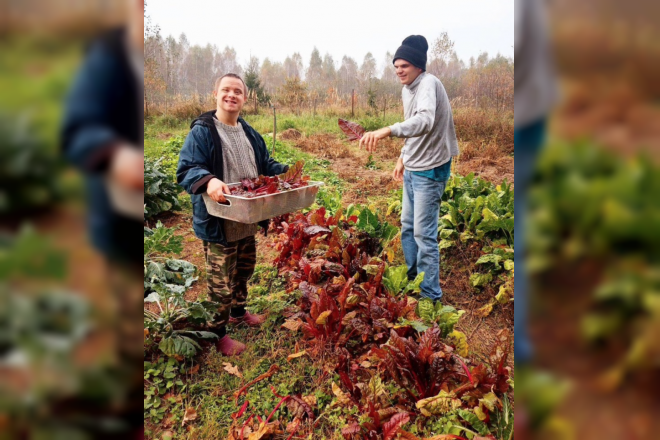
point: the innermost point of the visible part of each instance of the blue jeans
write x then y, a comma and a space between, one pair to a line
419, 230
527, 144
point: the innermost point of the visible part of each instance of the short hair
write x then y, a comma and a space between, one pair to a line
230, 75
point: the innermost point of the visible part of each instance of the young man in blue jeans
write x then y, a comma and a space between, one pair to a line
425, 162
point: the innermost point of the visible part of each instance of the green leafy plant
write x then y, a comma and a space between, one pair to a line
159, 269
493, 263
371, 163
330, 199
160, 190
29, 172
395, 280
368, 222
168, 327
502, 420
446, 317
475, 209
165, 283
162, 382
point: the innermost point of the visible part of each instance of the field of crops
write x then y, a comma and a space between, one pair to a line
348, 349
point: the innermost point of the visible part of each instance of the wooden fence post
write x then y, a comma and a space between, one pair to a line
353, 104
274, 129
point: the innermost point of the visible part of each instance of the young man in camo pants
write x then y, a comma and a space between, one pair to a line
221, 147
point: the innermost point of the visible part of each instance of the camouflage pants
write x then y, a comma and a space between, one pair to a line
228, 269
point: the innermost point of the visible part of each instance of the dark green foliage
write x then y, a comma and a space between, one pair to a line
29, 172
160, 191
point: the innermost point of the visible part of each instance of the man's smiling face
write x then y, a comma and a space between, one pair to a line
230, 95
406, 72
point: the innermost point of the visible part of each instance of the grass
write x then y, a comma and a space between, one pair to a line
35, 78
308, 124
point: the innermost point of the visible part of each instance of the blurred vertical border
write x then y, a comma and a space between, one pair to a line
57, 358
594, 230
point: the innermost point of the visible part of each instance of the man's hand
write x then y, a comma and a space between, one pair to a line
370, 139
216, 189
127, 167
398, 171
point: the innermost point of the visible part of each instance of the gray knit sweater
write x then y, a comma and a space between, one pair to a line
429, 125
238, 163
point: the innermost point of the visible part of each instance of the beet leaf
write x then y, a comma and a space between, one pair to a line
353, 130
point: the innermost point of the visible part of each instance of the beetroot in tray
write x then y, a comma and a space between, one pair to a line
263, 185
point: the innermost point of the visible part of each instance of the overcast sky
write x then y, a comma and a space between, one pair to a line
278, 28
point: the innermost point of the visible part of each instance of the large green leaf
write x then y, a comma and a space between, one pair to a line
413, 286
426, 309
480, 279
395, 279
474, 421
489, 258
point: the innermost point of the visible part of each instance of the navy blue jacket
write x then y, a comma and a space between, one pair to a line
102, 109
200, 160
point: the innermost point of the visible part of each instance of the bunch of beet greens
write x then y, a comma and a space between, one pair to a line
263, 185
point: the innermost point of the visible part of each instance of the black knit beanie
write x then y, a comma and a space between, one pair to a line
413, 49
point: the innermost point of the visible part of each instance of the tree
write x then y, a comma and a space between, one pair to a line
293, 66
272, 75
329, 72
347, 75
315, 69
154, 83
293, 94
253, 82
389, 73
368, 69
443, 47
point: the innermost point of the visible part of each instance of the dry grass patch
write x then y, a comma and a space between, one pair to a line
477, 126
324, 146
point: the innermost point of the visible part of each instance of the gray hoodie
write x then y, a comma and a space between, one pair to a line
429, 125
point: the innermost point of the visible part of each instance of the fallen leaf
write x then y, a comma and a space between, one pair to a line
169, 421
189, 415
365, 364
296, 355
310, 400
265, 430
484, 311
229, 368
293, 426
146, 332
292, 324
342, 397
167, 435
194, 369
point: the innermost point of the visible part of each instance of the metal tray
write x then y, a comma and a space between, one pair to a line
256, 209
